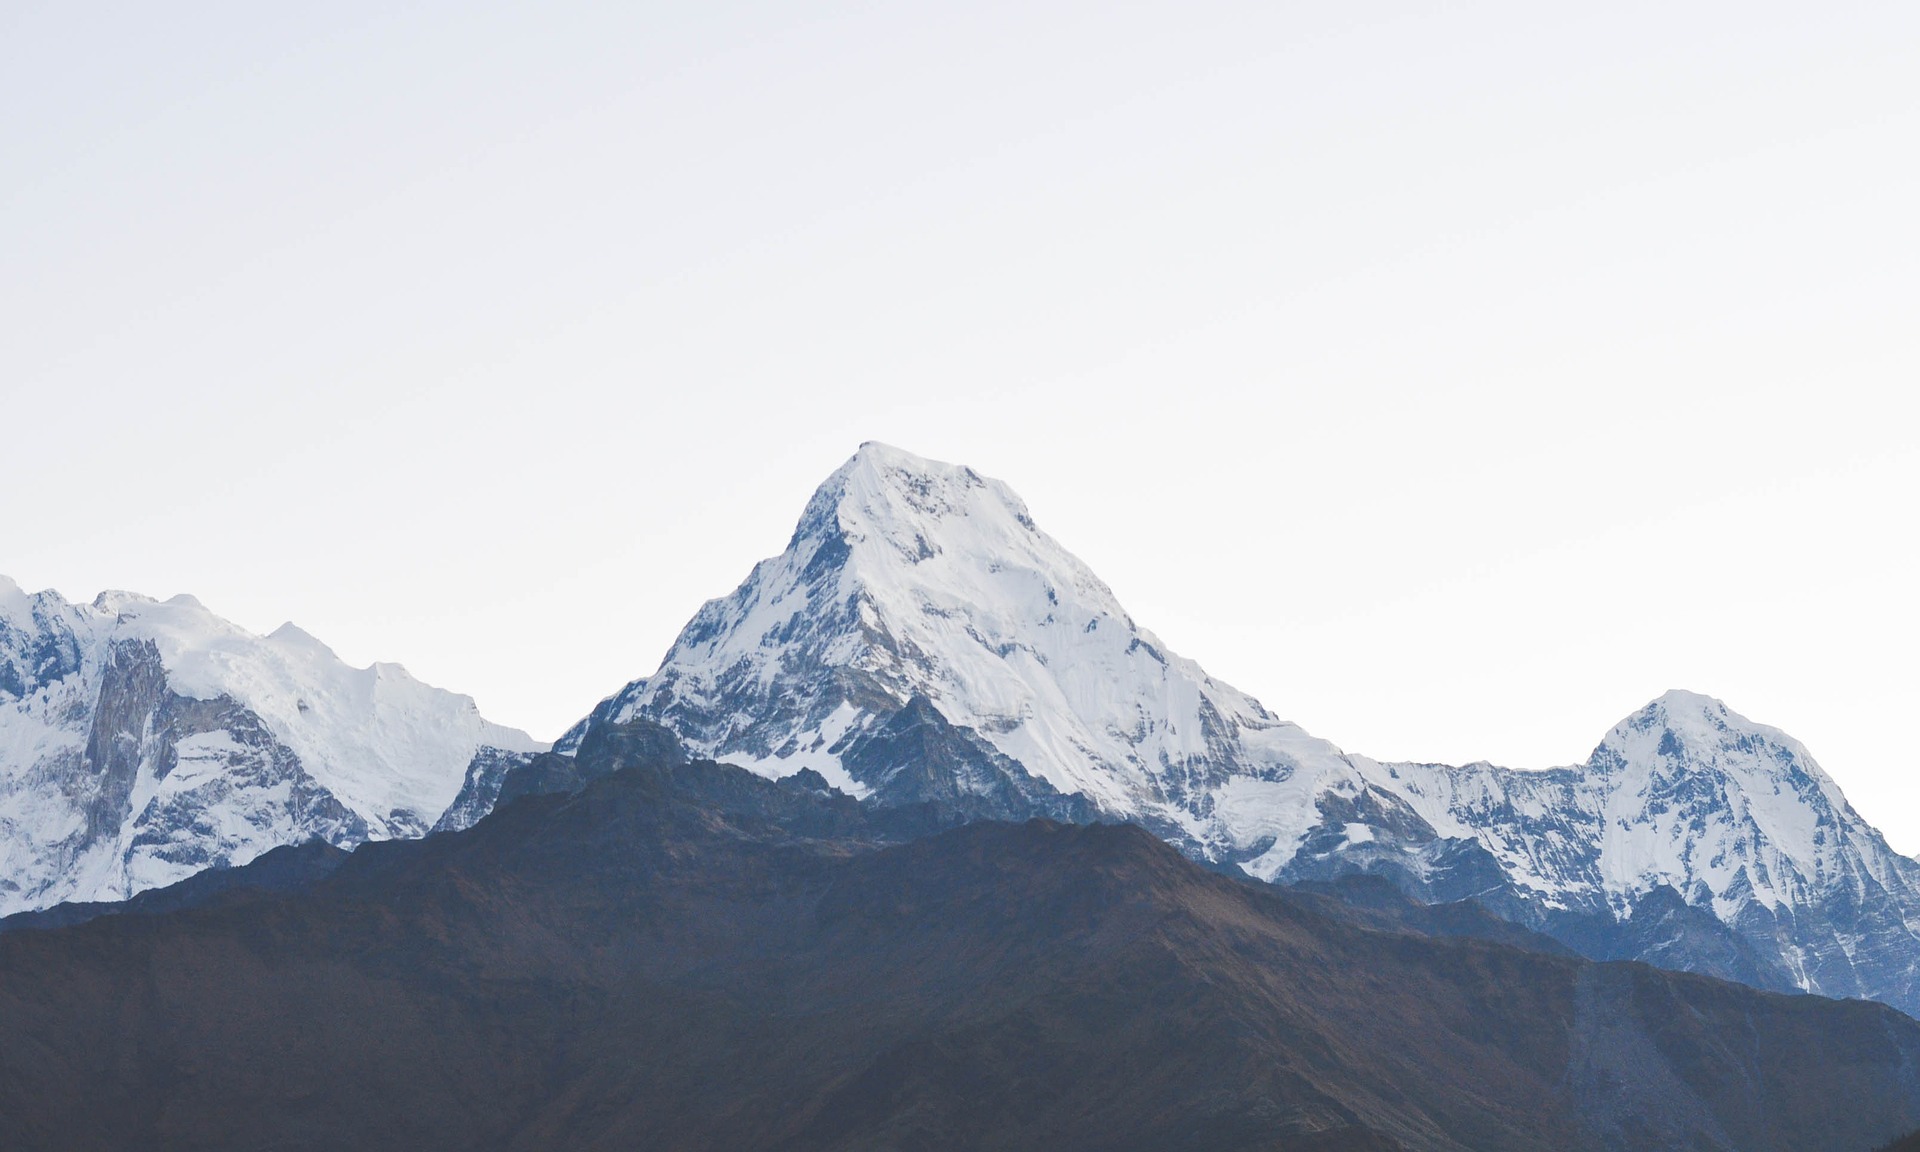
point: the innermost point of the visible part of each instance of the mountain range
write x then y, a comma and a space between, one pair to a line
921, 645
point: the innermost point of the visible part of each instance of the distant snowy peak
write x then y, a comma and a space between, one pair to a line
142, 740
1699, 798
886, 514
1688, 805
1684, 733
1685, 793
39, 639
378, 739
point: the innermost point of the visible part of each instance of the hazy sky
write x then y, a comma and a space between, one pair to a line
1454, 381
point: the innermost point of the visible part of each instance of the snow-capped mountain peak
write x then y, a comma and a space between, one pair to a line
1701, 799
292, 636
142, 740
912, 579
1682, 731
893, 511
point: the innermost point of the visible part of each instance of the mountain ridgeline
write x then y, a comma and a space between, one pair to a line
921, 644
143, 741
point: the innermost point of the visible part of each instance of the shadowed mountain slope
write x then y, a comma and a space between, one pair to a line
685, 955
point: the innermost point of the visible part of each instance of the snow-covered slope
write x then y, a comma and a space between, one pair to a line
1734, 817
141, 741
921, 640
908, 578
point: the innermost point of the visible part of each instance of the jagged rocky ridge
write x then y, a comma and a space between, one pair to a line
922, 642
141, 742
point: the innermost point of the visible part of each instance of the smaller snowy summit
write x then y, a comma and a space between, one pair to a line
142, 741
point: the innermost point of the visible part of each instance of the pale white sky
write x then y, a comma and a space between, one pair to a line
1453, 381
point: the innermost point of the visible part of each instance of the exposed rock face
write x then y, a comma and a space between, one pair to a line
920, 640
480, 787
141, 742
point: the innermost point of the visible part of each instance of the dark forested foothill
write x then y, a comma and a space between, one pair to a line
684, 955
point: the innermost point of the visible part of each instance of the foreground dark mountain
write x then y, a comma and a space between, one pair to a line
289, 868
684, 955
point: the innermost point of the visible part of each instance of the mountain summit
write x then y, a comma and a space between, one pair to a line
923, 593
1696, 838
922, 642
